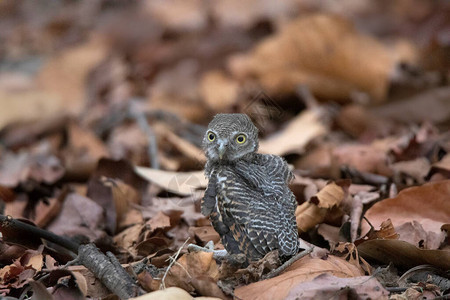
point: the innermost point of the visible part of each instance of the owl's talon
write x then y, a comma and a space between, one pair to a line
197, 248
209, 247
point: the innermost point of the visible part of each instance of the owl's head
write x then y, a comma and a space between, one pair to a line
230, 137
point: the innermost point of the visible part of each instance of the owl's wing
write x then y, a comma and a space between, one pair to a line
209, 199
272, 223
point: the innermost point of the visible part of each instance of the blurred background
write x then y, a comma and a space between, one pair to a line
140, 80
89, 90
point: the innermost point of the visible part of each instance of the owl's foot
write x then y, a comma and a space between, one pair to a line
209, 247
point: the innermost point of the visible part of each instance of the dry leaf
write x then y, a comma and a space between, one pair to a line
180, 183
325, 53
171, 293
364, 158
442, 167
218, 91
386, 232
313, 212
296, 135
303, 270
64, 76
326, 286
161, 220
403, 254
95, 288
79, 216
426, 204
431, 105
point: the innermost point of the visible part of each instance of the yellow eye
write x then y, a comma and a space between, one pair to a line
211, 136
240, 139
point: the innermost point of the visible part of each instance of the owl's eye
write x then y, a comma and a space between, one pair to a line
211, 136
240, 139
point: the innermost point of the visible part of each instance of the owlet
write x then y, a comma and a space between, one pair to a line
247, 199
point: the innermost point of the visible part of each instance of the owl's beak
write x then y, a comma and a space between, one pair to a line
222, 148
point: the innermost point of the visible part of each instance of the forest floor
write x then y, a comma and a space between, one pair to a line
103, 109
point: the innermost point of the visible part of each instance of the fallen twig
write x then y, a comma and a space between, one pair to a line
12, 228
141, 119
109, 271
287, 264
173, 260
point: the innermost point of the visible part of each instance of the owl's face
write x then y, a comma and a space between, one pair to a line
230, 137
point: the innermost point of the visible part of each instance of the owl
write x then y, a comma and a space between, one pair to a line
247, 198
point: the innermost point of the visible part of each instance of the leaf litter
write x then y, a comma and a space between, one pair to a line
101, 132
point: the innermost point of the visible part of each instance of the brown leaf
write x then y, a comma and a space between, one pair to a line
442, 167
64, 76
115, 197
169, 293
218, 91
40, 292
128, 238
303, 270
365, 158
314, 211
95, 288
296, 135
326, 286
403, 254
83, 151
79, 216
40, 167
431, 105
300, 54
161, 220
194, 265
413, 233
386, 232
426, 204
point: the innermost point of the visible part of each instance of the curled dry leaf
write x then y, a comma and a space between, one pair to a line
115, 197
323, 52
303, 270
313, 212
441, 167
296, 135
190, 270
386, 232
180, 183
426, 204
94, 287
349, 252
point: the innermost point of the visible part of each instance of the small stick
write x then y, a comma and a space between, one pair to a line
18, 228
287, 264
141, 119
173, 260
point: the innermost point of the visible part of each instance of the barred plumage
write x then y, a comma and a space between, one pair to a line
248, 199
